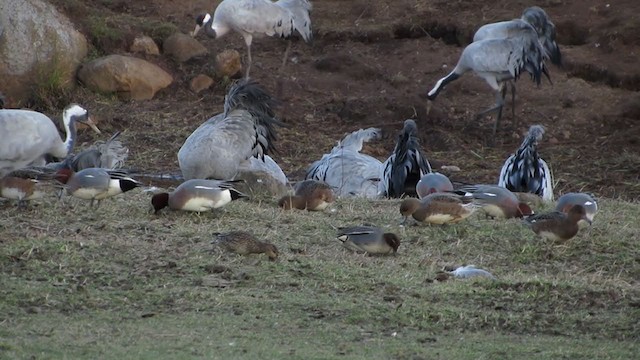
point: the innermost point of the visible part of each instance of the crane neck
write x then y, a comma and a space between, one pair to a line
441, 84
70, 129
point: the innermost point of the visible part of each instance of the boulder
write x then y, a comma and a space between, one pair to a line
130, 77
183, 47
35, 41
145, 45
228, 63
200, 82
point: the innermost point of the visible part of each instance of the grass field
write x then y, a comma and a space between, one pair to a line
120, 282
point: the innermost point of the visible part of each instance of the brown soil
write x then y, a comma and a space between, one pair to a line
372, 63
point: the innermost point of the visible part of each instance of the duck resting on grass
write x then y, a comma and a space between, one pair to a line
244, 243
438, 208
568, 200
369, 239
556, 225
312, 195
198, 195
96, 184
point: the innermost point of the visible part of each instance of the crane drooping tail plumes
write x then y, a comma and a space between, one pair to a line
246, 128
403, 169
525, 171
300, 10
546, 30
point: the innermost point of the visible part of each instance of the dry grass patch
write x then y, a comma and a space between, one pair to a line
119, 280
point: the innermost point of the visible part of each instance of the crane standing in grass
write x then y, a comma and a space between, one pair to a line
499, 61
253, 18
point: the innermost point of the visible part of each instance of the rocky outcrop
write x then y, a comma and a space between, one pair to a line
36, 41
183, 47
130, 77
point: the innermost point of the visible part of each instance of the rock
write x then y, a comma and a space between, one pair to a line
144, 44
35, 40
228, 63
200, 82
183, 47
129, 76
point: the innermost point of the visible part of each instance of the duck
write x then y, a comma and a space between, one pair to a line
568, 200
245, 128
438, 208
110, 154
405, 166
434, 182
312, 195
349, 172
23, 190
96, 184
245, 243
556, 225
496, 201
197, 195
526, 171
369, 239
28, 136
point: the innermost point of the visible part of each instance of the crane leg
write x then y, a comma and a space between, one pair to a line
246, 76
499, 104
286, 55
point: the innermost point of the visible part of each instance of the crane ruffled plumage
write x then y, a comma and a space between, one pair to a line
525, 171
346, 170
246, 128
405, 167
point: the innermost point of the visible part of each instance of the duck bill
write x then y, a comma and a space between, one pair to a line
93, 126
196, 30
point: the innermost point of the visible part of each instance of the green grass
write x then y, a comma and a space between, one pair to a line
122, 283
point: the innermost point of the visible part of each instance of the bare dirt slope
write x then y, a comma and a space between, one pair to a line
372, 63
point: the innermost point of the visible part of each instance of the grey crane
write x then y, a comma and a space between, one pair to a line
525, 171
110, 154
245, 128
27, 136
253, 18
499, 61
538, 19
405, 167
534, 16
346, 170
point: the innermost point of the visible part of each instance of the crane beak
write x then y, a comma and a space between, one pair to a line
92, 125
195, 31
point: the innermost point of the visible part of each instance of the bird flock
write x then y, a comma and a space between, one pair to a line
35, 160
